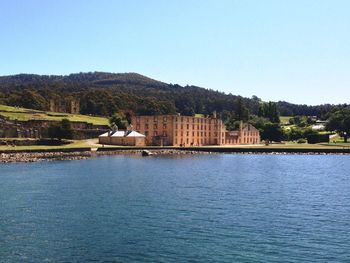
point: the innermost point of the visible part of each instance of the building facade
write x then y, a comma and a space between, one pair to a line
176, 130
65, 106
247, 134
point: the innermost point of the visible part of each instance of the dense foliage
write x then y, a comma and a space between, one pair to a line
120, 120
339, 120
106, 93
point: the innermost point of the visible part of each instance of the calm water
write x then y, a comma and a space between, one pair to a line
208, 208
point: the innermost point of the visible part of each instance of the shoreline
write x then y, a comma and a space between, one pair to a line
36, 155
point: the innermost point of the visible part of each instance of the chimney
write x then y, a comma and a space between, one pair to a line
240, 126
214, 114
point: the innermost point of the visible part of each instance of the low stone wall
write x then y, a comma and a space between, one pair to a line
14, 142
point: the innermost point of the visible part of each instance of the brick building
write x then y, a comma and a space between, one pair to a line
247, 134
176, 130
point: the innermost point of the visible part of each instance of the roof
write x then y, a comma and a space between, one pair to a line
250, 127
135, 134
118, 134
122, 134
104, 135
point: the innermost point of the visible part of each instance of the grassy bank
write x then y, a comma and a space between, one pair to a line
22, 114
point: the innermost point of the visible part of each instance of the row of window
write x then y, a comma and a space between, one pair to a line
198, 134
199, 127
182, 119
250, 133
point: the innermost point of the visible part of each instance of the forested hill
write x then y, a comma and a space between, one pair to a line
102, 93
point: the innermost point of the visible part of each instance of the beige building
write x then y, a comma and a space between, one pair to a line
123, 138
176, 130
247, 134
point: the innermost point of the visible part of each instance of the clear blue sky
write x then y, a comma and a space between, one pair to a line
293, 50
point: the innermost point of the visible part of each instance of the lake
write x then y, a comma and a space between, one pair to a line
193, 208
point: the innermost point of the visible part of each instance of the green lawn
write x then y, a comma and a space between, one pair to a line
23, 114
285, 119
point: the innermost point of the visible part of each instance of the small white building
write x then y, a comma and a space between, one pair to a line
122, 138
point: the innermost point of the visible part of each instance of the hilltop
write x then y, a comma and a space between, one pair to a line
103, 93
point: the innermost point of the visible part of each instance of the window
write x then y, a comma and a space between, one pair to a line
164, 119
155, 126
164, 133
146, 126
188, 126
155, 133
146, 133
164, 126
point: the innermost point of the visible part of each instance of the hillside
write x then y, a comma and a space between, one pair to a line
102, 93
22, 114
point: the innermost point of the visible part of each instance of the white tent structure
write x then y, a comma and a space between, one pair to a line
123, 138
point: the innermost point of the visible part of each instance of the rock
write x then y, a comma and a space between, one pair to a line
146, 153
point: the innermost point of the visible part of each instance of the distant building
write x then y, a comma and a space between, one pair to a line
65, 106
247, 134
123, 138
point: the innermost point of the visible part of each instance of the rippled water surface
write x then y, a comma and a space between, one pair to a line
205, 208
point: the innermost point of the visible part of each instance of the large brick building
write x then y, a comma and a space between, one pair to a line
176, 130
179, 130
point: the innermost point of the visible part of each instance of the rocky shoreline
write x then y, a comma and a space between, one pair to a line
28, 157
81, 155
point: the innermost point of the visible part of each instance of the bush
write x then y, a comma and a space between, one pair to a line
317, 138
301, 140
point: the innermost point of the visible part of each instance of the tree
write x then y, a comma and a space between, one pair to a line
340, 121
119, 119
269, 110
272, 132
242, 110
